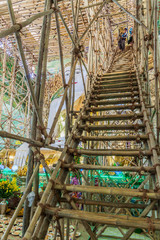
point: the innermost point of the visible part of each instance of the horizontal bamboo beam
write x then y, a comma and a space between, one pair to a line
18, 26
120, 73
108, 204
114, 90
116, 85
125, 77
112, 117
5, 134
105, 236
114, 14
30, 141
148, 194
107, 127
108, 152
101, 218
114, 95
113, 107
141, 170
112, 102
112, 138
113, 81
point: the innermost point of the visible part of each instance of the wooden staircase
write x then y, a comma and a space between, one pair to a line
112, 137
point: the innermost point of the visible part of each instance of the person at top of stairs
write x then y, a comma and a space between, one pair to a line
121, 39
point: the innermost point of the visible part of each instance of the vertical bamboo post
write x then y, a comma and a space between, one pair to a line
156, 69
28, 78
13, 82
7, 231
3, 78
67, 123
27, 210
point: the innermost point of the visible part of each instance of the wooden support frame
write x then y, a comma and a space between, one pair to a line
97, 45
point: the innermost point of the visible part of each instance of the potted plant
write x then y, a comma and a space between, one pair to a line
7, 189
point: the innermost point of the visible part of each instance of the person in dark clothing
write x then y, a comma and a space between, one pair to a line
130, 41
122, 39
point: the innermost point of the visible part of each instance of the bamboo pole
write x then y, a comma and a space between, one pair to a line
45, 58
67, 122
66, 27
143, 214
7, 231
112, 138
36, 143
84, 85
110, 191
141, 170
149, 131
13, 82
123, 9
108, 204
61, 104
106, 127
91, 22
3, 79
36, 133
63, 156
28, 78
126, 201
104, 218
18, 26
156, 70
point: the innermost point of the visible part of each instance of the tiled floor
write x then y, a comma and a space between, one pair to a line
110, 232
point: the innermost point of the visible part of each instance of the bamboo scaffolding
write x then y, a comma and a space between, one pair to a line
143, 214
110, 168
18, 26
19, 42
101, 218
131, 116
6, 233
106, 127
122, 89
30, 229
110, 191
112, 138
108, 204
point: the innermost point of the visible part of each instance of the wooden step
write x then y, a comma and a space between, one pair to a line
113, 107
137, 138
109, 152
115, 117
112, 76
116, 85
107, 127
109, 82
103, 218
119, 73
150, 194
112, 102
114, 95
108, 204
116, 90
141, 170
116, 77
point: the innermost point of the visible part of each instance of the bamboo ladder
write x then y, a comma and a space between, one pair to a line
116, 97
